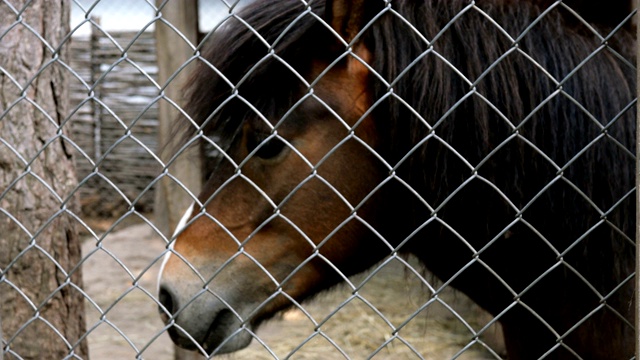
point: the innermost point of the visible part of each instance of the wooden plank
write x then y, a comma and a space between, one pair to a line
173, 52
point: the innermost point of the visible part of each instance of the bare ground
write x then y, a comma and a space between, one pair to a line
120, 274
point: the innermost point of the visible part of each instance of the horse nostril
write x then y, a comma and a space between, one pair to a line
166, 300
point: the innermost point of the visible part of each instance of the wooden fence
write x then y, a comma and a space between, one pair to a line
116, 121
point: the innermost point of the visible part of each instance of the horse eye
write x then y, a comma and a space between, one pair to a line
268, 149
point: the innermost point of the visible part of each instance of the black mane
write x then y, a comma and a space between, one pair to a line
238, 49
536, 115
515, 87
589, 102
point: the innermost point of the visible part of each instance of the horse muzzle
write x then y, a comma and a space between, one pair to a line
202, 322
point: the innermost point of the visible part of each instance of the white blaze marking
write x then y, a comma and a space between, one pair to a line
179, 228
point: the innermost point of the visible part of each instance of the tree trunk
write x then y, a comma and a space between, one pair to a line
173, 52
40, 305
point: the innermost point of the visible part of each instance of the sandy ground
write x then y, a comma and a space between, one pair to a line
120, 278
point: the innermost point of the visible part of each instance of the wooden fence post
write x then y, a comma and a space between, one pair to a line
173, 52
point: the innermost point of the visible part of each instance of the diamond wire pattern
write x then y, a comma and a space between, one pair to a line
127, 125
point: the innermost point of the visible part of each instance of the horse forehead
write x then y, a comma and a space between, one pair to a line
344, 87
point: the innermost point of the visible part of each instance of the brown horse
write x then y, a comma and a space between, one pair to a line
495, 141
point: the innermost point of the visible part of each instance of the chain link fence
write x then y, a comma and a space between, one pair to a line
395, 180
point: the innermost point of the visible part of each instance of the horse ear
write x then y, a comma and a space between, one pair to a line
348, 17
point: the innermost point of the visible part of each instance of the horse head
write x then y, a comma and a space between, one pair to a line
290, 201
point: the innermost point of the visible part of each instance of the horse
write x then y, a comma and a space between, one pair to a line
492, 140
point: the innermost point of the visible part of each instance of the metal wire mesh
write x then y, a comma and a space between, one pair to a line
396, 309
